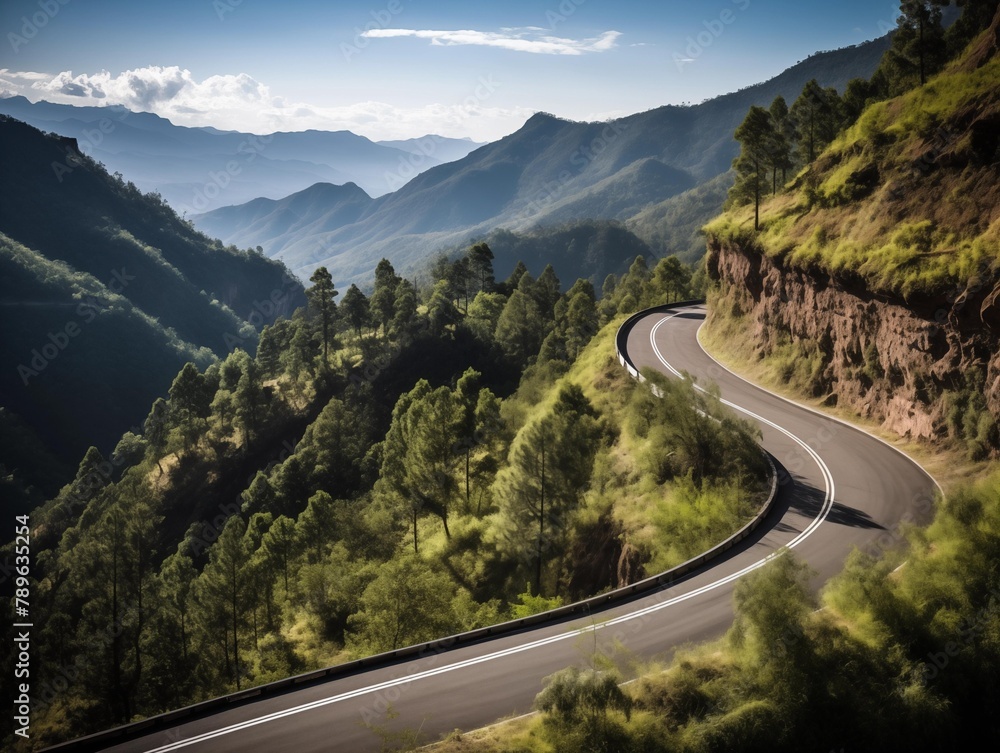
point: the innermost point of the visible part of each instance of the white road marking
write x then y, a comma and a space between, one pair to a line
809, 530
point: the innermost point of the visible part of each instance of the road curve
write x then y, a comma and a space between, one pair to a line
840, 488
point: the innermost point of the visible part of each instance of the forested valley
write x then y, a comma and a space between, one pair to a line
385, 469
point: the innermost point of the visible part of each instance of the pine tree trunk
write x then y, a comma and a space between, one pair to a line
116, 663
541, 533
756, 203
268, 598
468, 452
138, 641
236, 638
923, 78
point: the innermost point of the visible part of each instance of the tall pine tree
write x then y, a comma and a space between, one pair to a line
756, 135
918, 46
322, 306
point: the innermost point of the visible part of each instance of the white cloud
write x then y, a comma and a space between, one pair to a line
155, 87
526, 39
239, 102
24, 76
13, 83
379, 120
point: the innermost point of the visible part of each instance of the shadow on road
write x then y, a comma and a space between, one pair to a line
807, 500
849, 516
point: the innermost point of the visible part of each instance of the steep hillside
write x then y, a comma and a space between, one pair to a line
553, 170
321, 208
674, 226
876, 280
105, 294
641, 184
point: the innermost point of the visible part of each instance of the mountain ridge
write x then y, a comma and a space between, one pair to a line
121, 293
193, 167
551, 171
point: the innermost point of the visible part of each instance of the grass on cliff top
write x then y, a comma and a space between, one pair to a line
907, 199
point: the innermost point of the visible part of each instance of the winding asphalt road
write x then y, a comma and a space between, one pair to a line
840, 488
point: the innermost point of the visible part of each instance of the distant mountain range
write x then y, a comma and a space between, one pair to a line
199, 169
340, 200
645, 170
105, 293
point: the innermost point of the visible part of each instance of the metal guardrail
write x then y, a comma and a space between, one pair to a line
125, 732
621, 338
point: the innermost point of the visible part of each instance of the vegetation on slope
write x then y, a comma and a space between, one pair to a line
590, 249
269, 513
900, 211
905, 199
675, 225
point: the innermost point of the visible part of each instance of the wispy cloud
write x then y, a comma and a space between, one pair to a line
525, 39
24, 75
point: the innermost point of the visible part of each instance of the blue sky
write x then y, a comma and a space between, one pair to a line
403, 68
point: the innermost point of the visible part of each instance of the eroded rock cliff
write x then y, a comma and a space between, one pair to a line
925, 368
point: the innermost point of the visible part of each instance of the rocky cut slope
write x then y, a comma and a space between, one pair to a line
883, 356
875, 281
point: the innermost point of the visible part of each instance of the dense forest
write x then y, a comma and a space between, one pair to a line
386, 469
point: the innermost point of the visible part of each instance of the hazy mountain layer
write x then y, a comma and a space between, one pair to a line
551, 171
199, 169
